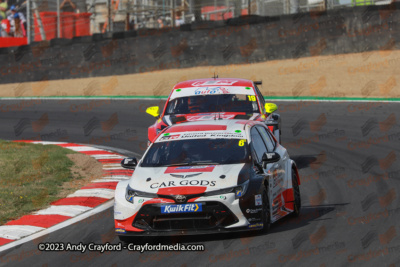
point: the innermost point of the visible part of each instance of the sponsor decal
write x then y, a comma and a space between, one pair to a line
239, 193
211, 90
206, 135
183, 176
258, 200
256, 225
192, 207
183, 183
209, 117
253, 210
120, 230
270, 155
193, 167
216, 82
213, 135
253, 219
169, 137
278, 179
141, 200
222, 197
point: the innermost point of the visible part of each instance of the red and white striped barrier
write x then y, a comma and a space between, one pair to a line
83, 200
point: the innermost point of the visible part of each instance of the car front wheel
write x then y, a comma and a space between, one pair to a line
266, 211
296, 193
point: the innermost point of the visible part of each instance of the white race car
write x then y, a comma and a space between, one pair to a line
207, 176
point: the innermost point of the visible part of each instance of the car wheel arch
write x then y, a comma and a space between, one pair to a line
295, 169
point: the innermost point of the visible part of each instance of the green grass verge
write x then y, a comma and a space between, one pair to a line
31, 177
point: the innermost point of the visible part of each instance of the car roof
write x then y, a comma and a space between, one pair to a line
212, 86
214, 82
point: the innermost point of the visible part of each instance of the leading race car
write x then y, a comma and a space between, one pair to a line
207, 176
204, 99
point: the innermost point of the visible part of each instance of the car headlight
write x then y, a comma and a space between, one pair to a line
241, 189
238, 190
219, 192
130, 193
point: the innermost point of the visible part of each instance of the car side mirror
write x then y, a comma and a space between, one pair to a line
270, 158
129, 163
270, 107
153, 111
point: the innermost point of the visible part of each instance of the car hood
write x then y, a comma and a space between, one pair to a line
185, 180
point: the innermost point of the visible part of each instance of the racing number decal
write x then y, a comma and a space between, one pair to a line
252, 97
241, 142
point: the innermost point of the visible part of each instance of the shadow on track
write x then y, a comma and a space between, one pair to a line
307, 215
304, 161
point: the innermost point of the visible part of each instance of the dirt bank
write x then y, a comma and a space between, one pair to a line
369, 74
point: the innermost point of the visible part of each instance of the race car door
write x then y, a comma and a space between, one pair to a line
260, 147
278, 183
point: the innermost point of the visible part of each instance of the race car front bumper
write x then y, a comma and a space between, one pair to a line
213, 215
217, 214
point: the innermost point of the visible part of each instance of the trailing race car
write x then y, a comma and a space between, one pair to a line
207, 176
205, 99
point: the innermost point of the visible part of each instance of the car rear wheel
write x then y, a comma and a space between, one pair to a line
266, 211
296, 193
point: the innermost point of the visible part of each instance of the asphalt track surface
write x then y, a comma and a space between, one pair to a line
347, 153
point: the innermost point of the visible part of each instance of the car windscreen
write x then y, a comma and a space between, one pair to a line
213, 103
197, 152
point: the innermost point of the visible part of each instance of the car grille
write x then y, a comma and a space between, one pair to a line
214, 215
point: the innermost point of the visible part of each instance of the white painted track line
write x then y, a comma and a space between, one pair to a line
118, 177
59, 226
48, 142
83, 148
114, 168
108, 180
107, 156
97, 192
17, 231
66, 210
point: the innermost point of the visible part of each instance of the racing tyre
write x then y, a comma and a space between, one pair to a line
266, 213
296, 193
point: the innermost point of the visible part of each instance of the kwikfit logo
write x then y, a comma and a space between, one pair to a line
181, 208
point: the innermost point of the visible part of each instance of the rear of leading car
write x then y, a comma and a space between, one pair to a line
205, 99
